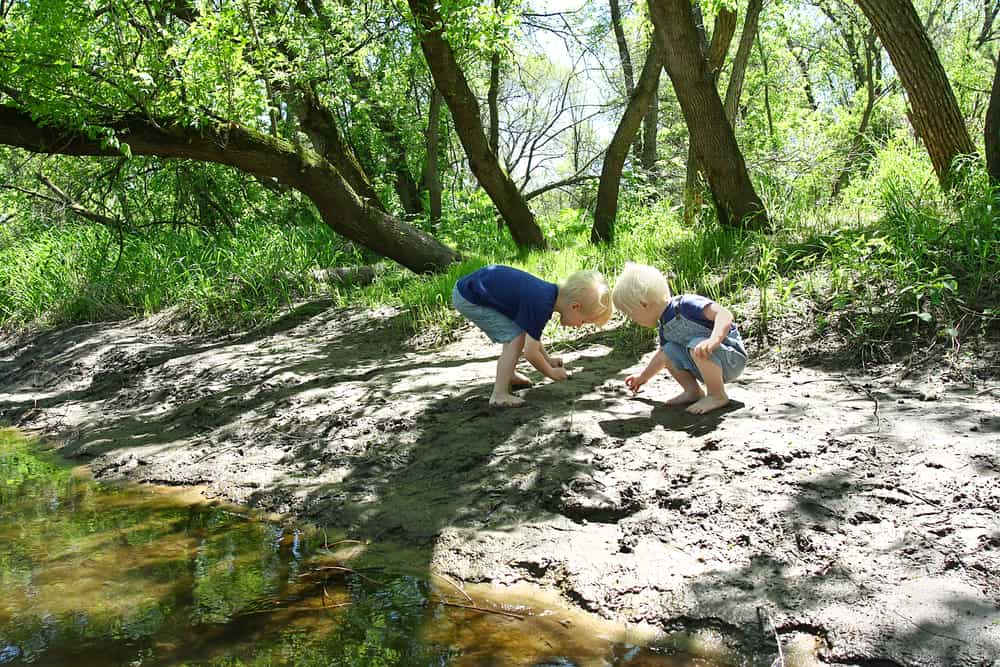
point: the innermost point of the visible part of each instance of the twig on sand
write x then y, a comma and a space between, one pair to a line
277, 609
780, 660
483, 610
878, 425
340, 568
456, 586
988, 390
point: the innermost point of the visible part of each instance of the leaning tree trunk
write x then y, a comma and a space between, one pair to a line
935, 113
715, 53
493, 95
320, 126
741, 60
257, 154
431, 177
650, 125
450, 80
992, 130
614, 157
709, 131
626, 60
857, 143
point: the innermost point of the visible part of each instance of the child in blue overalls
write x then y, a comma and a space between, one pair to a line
698, 339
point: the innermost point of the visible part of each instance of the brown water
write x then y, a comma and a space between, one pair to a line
99, 574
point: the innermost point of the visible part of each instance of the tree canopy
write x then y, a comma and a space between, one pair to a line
364, 114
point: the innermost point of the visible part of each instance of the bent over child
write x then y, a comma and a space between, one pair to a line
698, 339
512, 307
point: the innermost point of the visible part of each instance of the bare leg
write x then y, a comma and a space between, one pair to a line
711, 372
692, 391
505, 373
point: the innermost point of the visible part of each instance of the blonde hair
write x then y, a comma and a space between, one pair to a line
590, 290
638, 284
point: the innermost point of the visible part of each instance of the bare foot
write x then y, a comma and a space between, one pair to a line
708, 404
689, 396
520, 380
506, 401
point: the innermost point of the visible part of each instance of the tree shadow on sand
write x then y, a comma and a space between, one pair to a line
329, 416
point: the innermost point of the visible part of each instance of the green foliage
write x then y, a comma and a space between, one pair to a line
218, 279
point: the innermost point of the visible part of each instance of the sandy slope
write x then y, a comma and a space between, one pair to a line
862, 510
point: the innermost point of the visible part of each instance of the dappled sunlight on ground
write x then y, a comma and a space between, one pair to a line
860, 510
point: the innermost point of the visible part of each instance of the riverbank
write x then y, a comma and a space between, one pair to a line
861, 509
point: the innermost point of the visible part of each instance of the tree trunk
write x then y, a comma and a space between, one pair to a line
741, 60
626, 60
715, 53
257, 154
767, 95
432, 141
493, 96
321, 127
858, 142
614, 157
803, 64
710, 133
650, 125
396, 156
450, 80
992, 130
935, 113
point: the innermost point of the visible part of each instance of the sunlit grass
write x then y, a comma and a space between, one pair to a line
904, 263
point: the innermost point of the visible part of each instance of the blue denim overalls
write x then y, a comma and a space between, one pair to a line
680, 335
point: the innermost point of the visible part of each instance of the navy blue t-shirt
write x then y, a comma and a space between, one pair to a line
692, 307
527, 300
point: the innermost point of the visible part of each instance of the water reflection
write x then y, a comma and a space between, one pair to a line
98, 574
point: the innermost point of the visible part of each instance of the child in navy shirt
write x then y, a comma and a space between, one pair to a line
512, 307
698, 340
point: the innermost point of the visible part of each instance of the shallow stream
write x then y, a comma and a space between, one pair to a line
109, 574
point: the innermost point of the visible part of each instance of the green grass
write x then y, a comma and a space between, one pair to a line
906, 264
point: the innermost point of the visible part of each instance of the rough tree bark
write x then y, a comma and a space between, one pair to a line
321, 128
992, 130
493, 96
935, 114
432, 140
614, 157
741, 60
715, 145
450, 80
626, 60
257, 154
715, 53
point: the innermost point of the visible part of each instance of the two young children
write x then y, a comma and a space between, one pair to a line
697, 337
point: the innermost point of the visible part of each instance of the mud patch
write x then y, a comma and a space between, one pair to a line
860, 508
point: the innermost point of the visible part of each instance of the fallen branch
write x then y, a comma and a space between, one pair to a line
482, 609
878, 425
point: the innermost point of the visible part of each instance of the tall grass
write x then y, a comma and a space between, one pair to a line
54, 275
895, 261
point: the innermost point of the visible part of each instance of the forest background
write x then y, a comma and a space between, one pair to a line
827, 167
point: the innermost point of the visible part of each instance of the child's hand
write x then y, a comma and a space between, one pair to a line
559, 374
556, 362
634, 382
704, 349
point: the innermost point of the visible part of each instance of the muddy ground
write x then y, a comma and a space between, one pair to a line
858, 508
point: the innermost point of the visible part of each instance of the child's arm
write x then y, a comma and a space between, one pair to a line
536, 356
656, 364
555, 362
723, 319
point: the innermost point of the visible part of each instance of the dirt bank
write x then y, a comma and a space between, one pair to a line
860, 509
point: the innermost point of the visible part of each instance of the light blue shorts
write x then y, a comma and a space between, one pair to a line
726, 357
496, 325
